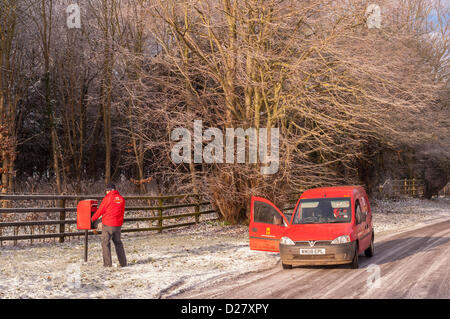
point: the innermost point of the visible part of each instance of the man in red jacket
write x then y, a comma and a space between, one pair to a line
112, 209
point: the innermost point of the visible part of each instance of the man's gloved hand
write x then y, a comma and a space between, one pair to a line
94, 226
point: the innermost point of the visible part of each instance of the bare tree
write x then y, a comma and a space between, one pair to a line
11, 90
340, 93
310, 68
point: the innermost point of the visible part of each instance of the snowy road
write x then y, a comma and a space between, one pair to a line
412, 264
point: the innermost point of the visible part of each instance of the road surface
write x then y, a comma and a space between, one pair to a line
412, 264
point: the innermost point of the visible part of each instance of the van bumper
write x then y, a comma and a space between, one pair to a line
334, 254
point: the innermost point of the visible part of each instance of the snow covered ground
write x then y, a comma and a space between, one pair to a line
390, 215
164, 264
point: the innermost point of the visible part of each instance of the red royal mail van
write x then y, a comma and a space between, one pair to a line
330, 225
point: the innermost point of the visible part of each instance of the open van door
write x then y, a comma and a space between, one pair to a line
267, 225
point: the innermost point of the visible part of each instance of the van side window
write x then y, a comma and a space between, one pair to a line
365, 207
265, 213
358, 213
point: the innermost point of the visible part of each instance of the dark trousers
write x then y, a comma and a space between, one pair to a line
108, 233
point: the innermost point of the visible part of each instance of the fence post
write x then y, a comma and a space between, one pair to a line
62, 217
160, 214
86, 240
15, 232
197, 208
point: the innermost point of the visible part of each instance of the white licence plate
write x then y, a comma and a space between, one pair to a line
312, 251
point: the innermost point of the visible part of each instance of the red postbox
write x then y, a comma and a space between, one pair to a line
85, 210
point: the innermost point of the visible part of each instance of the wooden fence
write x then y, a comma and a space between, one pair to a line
445, 192
162, 212
55, 226
402, 187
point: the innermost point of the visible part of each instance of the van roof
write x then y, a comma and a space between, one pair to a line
335, 191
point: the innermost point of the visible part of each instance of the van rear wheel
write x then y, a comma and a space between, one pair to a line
369, 251
286, 266
355, 262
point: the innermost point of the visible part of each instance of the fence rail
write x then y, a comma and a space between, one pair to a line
402, 187
157, 204
60, 206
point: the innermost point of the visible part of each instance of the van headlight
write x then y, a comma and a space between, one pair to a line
341, 240
286, 241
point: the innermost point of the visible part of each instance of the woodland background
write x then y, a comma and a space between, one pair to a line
82, 107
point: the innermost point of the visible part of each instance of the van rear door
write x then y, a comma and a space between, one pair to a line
267, 225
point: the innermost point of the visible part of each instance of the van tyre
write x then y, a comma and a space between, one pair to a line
369, 251
355, 262
286, 266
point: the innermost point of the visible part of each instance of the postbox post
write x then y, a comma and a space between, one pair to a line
86, 237
85, 210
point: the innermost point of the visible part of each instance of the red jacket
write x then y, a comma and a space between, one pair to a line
112, 208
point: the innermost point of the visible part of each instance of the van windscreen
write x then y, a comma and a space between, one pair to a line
323, 211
